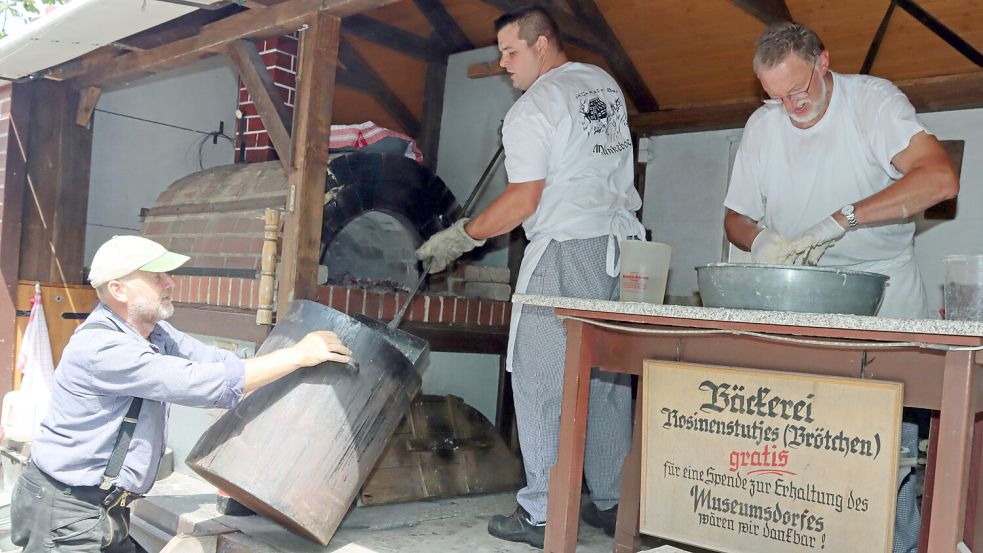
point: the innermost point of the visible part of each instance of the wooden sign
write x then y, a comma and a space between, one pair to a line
740, 460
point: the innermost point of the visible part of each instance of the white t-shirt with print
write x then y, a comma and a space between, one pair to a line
571, 129
789, 179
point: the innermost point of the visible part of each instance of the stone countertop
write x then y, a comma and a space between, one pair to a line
783, 318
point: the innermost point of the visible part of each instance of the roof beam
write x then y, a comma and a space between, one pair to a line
359, 75
875, 44
617, 57
572, 29
273, 112
273, 21
445, 25
394, 38
950, 92
766, 11
943, 32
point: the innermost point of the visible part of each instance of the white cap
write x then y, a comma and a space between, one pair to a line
122, 255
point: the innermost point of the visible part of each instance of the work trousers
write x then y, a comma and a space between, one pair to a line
576, 269
47, 515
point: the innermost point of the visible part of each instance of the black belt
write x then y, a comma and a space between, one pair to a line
89, 494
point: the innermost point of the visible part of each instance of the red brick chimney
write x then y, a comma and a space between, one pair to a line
280, 56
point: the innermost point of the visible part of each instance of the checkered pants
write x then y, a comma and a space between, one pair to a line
574, 268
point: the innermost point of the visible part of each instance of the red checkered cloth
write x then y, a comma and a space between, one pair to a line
363, 134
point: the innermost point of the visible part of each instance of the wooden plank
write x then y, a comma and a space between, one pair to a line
485, 69
272, 110
65, 307
433, 111
11, 213
766, 11
394, 38
58, 156
875, 44
948, 92
445, 26
312, 127
361, 76
274, 21
617, 57
87, 105
942, 31
235, 324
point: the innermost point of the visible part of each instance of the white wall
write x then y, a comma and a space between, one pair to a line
686, 182
133, 161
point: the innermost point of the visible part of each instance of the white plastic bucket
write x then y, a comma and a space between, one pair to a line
963, 287
644, 270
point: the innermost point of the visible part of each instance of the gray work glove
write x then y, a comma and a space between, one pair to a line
813, 243
771, 248
447, 245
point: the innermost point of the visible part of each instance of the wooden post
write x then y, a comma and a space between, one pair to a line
267, 274
312, 127
56, 198
14, 184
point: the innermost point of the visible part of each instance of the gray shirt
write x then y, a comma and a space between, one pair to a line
100, 372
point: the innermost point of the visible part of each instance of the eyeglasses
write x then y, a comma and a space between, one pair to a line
795, 96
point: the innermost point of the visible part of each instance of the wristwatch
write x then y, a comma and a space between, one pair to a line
847, 212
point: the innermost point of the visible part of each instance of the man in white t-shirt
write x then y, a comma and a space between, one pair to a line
568, 154
832, 169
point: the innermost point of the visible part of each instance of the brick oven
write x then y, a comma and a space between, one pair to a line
378, 208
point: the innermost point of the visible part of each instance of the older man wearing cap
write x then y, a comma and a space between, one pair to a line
124, 363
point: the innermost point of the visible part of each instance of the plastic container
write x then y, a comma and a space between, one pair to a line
644, 270
963, 287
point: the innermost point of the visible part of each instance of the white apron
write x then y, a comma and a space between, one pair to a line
619, 225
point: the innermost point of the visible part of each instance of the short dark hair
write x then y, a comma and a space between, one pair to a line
781, 39
533, 22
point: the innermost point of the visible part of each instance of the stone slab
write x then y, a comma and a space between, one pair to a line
936, 327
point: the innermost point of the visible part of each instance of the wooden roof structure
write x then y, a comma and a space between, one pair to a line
684, 65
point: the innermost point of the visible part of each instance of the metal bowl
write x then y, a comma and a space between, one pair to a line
790, 288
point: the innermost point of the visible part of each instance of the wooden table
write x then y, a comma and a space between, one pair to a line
923, 354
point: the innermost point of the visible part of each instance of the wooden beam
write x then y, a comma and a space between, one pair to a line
485, 69
875, 44
274, 21
55, 203
572, 29
433, 111
950, 92
617, 57
87, 105
270, 106
312, 129
943, 32
12, 196
444, 24
767, 11
360, 76
394, 38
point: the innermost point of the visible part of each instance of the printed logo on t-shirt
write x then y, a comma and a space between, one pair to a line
604, 116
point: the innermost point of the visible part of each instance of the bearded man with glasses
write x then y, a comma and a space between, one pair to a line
832, 169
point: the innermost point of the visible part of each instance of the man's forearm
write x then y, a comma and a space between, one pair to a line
264, 369
507, 211
740, 229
